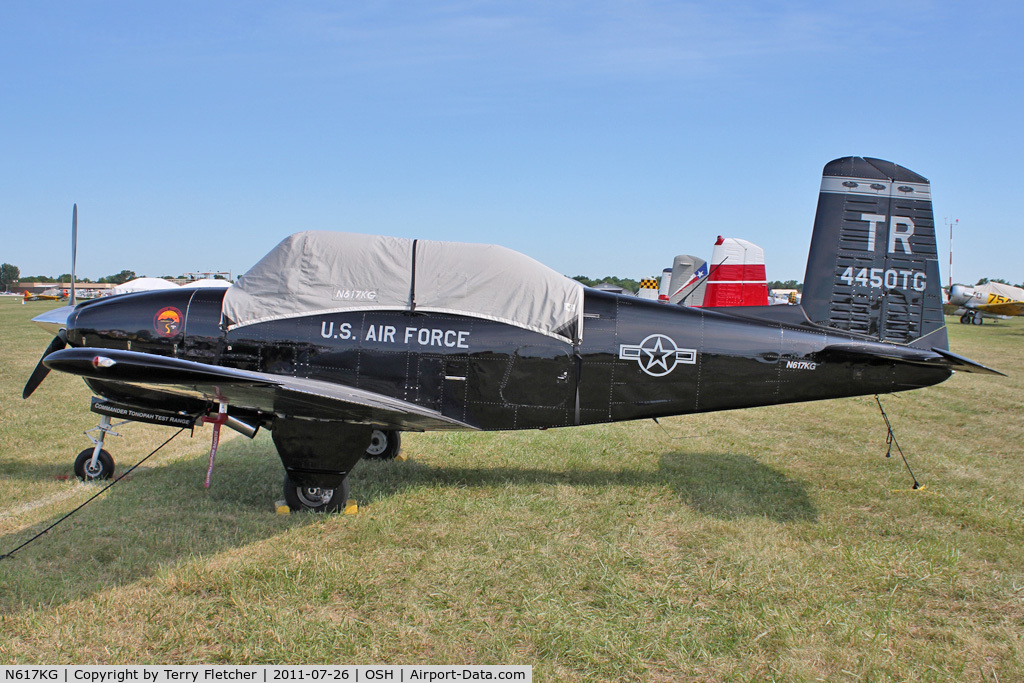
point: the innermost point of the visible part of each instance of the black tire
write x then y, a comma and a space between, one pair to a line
104, 466
310, 499
965, 319
384, 444
978, 318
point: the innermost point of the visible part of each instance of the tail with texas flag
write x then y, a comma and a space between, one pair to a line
688, 280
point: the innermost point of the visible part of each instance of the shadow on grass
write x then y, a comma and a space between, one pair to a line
723, 485
162, 517
155, 518
729, 486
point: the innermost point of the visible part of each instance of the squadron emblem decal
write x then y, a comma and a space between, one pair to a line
167, 321
657, 355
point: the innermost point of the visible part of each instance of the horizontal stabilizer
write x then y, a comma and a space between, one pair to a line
966, 364
907, 354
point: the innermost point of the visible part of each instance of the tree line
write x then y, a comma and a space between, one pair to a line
11, 274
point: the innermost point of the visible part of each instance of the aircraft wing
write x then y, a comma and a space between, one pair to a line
1009, 308
278, 394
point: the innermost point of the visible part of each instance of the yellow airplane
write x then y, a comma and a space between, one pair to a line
993, 300
49, 295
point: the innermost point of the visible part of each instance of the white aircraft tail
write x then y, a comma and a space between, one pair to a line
737, 275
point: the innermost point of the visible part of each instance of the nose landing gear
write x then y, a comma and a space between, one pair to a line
95, 464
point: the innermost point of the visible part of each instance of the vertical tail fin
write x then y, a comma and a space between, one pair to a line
663, 287
688, 273
648, 289
873, 266
737, 275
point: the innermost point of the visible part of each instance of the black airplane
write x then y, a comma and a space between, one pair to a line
337, 342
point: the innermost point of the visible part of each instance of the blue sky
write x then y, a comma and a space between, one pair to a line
598, 137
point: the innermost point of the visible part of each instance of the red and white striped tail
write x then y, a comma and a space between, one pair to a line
737, 276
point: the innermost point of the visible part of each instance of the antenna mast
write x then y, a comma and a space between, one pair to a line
951, 223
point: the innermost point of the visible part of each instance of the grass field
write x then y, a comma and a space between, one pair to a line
766, 544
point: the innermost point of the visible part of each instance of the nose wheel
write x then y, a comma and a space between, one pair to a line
89, 468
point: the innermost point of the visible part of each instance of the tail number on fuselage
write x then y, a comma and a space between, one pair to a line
901, 228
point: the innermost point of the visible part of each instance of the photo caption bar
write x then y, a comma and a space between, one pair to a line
263, 673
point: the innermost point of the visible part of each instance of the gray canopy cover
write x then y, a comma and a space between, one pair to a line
332, 272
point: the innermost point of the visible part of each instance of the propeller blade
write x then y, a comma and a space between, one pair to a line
41, 371
74, 249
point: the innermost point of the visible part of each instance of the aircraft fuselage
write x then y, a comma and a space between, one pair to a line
637, 359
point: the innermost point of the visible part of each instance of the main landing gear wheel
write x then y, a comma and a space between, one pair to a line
384, 444
965, 319
86, 470
315, 499
978, 318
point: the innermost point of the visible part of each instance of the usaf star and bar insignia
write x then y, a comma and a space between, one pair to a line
657, 355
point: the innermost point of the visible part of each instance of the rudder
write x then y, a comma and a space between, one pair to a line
873, 267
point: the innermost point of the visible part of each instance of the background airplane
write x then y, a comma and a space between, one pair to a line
735, 277
336, 342
51, 294
688, 273
992, 300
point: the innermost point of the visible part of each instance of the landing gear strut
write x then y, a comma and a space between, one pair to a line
972, 318
318, 457
94, 464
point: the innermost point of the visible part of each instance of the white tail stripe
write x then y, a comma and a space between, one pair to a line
873, 187
737, 282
